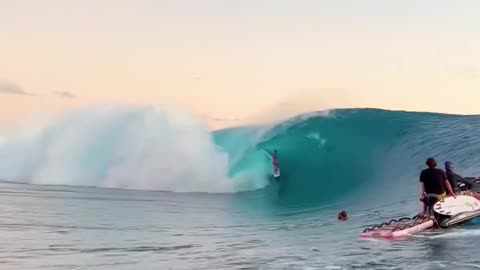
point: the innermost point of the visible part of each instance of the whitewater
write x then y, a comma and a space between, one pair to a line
154, 188
116, 147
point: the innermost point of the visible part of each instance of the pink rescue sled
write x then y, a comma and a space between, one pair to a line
400, 228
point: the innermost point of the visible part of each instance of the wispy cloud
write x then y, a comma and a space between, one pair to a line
64, 94
9, 88
220, 119
469, 72
465, 71
225, 119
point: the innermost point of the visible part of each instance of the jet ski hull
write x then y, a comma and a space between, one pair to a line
456, 211
471, 184
458, 219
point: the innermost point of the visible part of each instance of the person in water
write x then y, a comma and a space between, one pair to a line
434, 184
342, 216
455, 178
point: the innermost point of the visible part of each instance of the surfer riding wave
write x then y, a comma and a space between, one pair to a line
276, 168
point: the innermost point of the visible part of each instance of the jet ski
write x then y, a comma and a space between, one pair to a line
456, 211
469, 184
443, 214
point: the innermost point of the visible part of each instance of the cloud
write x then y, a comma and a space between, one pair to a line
64, 94
225, 119
471, 72
8, 88
220, 119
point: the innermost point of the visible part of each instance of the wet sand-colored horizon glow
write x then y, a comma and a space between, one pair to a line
236, 60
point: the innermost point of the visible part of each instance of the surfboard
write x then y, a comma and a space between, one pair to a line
276, 173
451, 206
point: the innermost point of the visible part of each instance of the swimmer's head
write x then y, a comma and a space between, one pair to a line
342, 215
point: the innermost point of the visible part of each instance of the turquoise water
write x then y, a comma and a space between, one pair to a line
148, 189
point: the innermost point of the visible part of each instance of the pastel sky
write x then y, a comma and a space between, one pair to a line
232, 59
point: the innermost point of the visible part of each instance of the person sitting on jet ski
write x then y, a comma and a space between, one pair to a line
434, 185
454, 178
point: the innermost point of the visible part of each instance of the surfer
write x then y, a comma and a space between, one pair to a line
434, 184
276, 170
454, 178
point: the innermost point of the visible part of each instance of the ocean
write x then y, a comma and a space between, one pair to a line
150, 188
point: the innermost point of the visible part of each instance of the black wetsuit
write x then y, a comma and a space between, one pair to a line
454, 178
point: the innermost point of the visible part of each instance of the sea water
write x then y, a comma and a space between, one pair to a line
145, 189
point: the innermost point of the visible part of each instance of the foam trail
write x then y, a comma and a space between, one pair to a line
457, 234
140, 148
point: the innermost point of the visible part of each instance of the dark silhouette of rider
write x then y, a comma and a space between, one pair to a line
455, 178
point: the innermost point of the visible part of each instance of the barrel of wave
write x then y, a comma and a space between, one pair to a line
247, 164
331, 159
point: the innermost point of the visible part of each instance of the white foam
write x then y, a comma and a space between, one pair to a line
316, 137
470, 265
457, 233
134, 148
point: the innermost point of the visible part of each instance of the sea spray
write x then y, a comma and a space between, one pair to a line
133, 148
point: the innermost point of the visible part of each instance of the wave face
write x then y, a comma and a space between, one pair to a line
322, 156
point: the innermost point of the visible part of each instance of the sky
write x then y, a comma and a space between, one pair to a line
235, 60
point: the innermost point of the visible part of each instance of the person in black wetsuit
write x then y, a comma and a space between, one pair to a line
455, 178
434, 185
